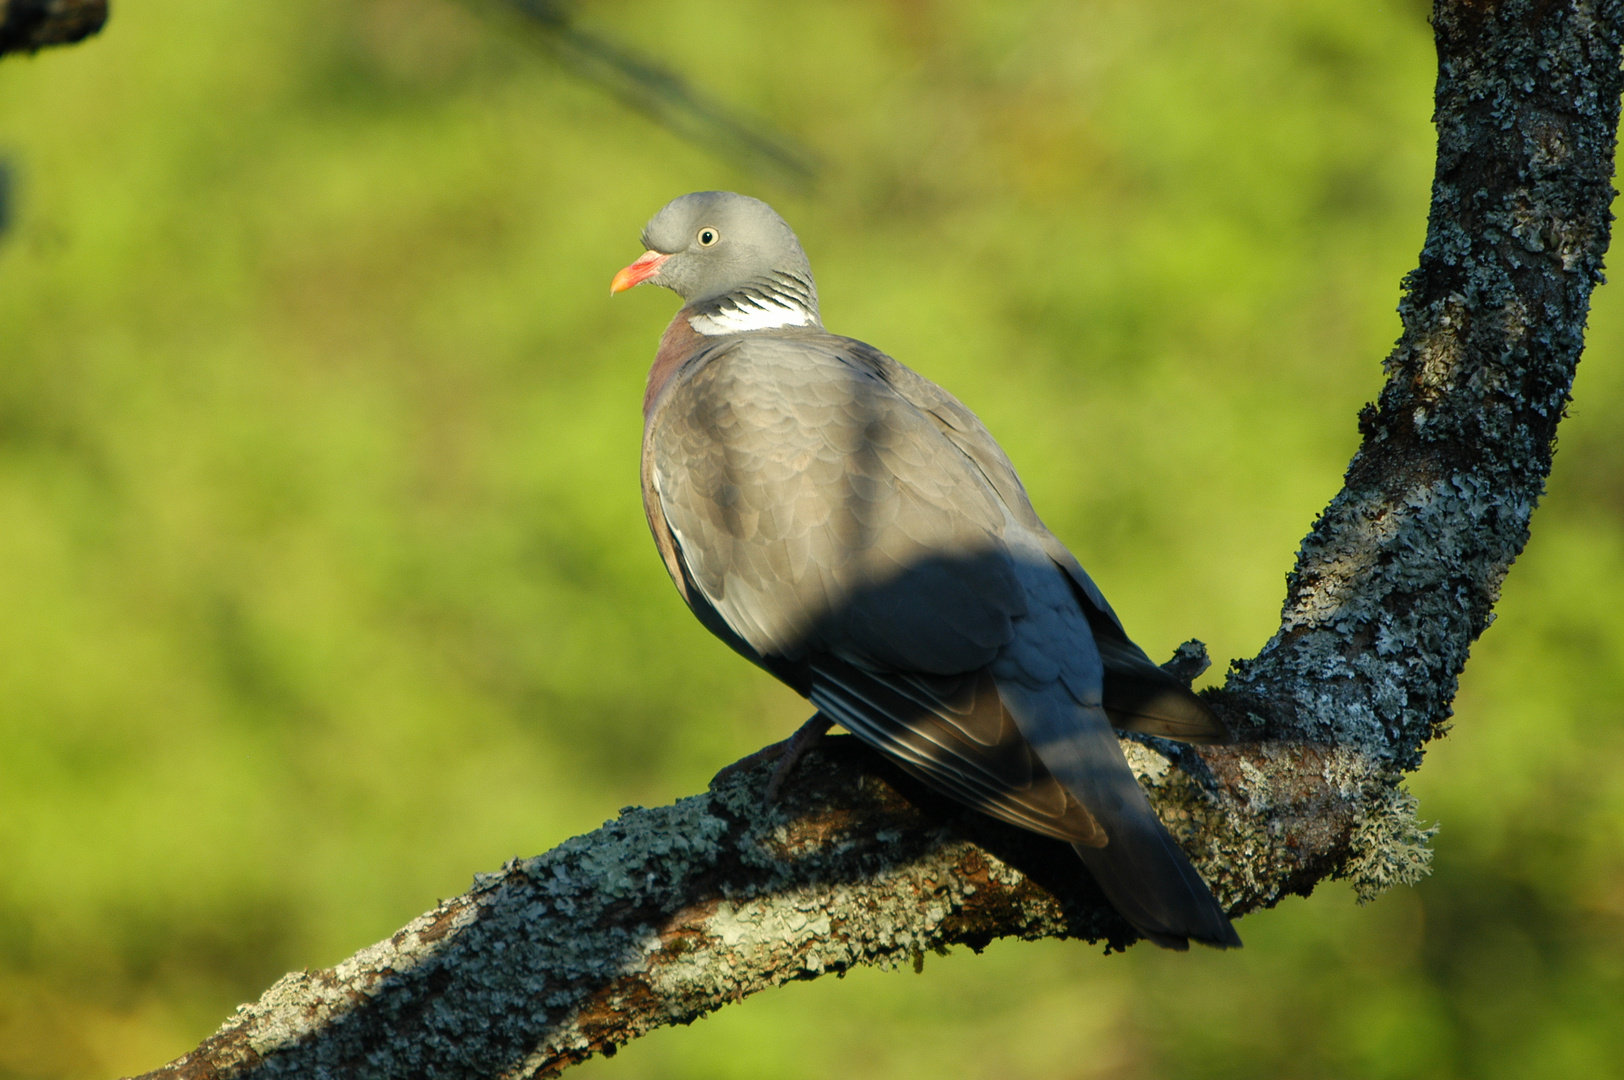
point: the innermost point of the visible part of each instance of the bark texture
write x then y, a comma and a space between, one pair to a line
665, 914
27, 25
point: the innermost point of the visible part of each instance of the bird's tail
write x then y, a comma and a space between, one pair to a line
1150, 882
1141, 869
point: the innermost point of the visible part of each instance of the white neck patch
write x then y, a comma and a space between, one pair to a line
733, 316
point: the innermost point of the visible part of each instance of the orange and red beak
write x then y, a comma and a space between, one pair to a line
638, 272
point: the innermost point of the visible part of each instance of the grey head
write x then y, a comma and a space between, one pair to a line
732, 258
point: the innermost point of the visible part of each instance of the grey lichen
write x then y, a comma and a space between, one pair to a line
1389, 845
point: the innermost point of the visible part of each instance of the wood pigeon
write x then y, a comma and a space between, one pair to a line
847, 525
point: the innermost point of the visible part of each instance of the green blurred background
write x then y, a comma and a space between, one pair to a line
324, 582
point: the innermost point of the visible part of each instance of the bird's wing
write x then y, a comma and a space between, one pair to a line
1139, 695
818, 510
1027, 740
954, 733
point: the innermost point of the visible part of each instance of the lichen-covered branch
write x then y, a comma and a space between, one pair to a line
665, 914
27, 25
1402, 570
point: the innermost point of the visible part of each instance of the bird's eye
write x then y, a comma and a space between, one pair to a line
708, 236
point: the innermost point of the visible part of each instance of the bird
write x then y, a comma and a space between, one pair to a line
848, 526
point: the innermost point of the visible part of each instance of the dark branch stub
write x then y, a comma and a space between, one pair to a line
27, 25
665, 914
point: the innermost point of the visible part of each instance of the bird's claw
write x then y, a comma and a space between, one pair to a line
787, 753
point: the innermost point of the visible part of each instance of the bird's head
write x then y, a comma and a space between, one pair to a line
726, 252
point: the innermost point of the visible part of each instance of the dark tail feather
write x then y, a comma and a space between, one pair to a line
1144, 873
1151, 883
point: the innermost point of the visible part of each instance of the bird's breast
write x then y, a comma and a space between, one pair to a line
679, 342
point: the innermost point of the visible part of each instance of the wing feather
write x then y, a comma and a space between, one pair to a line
964, 743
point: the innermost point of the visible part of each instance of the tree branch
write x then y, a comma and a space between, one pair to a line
665, 914
647, 86
27, 25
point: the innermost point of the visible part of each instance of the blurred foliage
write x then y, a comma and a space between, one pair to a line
323, 576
